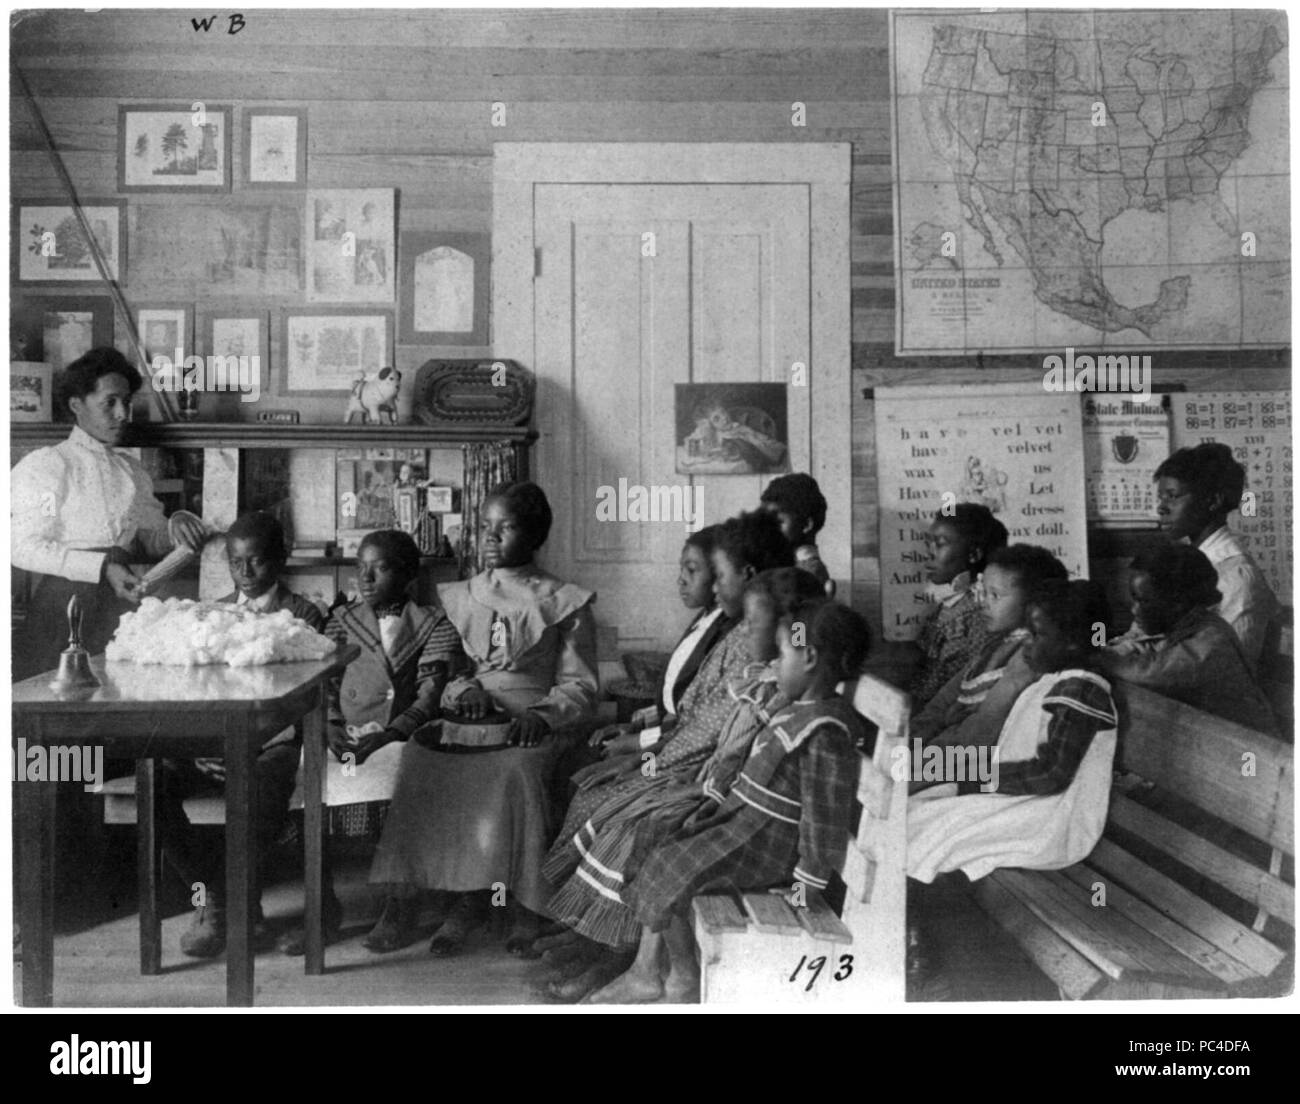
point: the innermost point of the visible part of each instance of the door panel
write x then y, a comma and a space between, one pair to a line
720, 293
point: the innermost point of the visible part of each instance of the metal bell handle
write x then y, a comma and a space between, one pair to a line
74, 622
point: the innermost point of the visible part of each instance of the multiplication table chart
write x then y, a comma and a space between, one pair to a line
1256, 425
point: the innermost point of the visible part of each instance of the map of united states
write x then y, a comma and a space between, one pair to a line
1090, 154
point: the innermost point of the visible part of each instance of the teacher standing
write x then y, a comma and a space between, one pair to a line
82, 511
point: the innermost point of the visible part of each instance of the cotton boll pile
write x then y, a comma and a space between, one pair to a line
182, 633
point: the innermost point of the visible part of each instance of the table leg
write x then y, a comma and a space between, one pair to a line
241, 866
148, 862
313, 799
36, 884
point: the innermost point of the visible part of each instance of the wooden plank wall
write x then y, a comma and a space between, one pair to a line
403, 99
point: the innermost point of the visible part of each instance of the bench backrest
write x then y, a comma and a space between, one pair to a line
875, 869
1235, 774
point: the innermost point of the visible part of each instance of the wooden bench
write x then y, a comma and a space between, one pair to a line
1117, 926
760, 949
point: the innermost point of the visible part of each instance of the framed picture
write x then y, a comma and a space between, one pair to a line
165, 330
275, 147
51, 248
326, 349
173, 147
732, 429
350, 245
239, 333
58, 329
438, 500
30, 395
444, 288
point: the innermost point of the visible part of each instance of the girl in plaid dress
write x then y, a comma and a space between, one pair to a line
745, 545
788, 816
623, 830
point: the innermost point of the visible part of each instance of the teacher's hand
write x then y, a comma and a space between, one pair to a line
123, 580
187, 530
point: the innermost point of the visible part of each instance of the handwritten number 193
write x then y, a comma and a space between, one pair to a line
816, 965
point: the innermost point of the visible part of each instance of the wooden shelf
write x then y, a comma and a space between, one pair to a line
263, 435
331, 562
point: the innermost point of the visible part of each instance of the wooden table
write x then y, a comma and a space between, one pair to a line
143, 712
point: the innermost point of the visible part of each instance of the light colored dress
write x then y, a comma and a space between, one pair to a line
469, 820
979, 832
1248, 604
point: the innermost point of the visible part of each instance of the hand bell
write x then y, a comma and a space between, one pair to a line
74, 671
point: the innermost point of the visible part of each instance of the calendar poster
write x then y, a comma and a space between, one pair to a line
1123, 444
1256, 425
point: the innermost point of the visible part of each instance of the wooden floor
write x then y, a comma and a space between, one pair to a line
97, 967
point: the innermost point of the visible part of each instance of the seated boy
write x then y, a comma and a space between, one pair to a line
800, 507
1197, 488
256, 553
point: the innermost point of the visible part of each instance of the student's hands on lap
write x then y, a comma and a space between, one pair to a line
339, 743
528, 729
474, 704
626, 744
372, 742
608, 732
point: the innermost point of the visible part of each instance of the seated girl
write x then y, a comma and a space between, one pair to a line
970, 709
746, 545
393, 687
710, 625
1198, 488
785, 822
622, 829
1044, 804
1178, 646
960, 543
800, 507
465, 819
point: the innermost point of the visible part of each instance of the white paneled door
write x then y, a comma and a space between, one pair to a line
638, 287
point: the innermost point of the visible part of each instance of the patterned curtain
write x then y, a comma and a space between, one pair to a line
486, 465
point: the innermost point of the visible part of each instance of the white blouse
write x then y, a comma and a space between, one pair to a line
77, 495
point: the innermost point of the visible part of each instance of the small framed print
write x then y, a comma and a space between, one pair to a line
30, 396
437, 500
230, 332
173, 148
444, 288
58, 329
50, 246
275, 147
165, 330
325, 349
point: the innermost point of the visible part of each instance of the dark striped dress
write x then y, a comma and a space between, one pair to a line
704, 709
788, 817
623, 830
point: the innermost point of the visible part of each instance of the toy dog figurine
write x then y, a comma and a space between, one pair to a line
374, 395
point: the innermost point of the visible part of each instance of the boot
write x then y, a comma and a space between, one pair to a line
294, 941
396, 927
